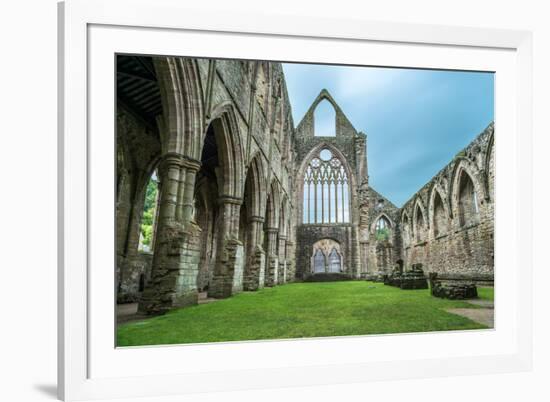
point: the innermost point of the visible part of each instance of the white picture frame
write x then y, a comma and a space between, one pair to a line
89, 365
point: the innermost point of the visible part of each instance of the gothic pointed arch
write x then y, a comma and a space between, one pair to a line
465, 180
226, 132
466, 198
438, 211
385, 218
324, 119
326, 183
464, 165
420, 222
382, 227
182, 104
255, 187
273, 205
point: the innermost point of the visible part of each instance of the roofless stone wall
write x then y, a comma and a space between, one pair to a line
448, 225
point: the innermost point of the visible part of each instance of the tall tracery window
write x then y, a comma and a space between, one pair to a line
326, 190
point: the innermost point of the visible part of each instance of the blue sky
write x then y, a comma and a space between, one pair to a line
415, 120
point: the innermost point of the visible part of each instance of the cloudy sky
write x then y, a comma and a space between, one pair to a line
415, 120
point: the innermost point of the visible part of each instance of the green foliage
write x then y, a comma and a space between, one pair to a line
296, 311
150, 195
383, 234
149, 213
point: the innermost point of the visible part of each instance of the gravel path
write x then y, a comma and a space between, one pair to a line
485, 315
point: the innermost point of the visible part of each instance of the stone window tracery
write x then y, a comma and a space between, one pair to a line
326, 190
318, 262
335, 264
326, 257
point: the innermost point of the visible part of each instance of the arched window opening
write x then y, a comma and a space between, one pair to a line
383, 229
318, 262
468, 209
147, 228
324, 119
326, 257
440, 218
335, 264
406, 231
419, 229
206, 211
326, 190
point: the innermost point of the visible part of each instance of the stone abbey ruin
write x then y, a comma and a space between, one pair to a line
246, 199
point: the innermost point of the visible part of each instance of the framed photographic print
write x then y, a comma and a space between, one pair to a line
257, 201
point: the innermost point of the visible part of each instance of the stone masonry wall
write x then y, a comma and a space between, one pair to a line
455, 234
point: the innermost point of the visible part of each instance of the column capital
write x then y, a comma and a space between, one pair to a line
170, 159
178, 160
229, 199
256, 218
191, 163
272, 230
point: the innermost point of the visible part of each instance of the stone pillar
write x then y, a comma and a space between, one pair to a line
254, 277
272, 257
176, 257
228, 271
364, 244
290, 261
282, 275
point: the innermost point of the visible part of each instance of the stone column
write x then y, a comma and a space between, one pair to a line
254, 277
364, 244
272, 257
177, 251
290, 261
228, 271
282, 275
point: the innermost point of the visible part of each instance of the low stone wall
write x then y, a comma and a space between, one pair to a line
414, 279
454, 291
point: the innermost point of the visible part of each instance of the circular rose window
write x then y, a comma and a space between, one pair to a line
325, 155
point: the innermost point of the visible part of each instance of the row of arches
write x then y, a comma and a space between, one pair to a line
222, 218
444, 213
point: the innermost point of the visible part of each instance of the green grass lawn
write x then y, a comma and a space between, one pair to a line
301, 310
486, 293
